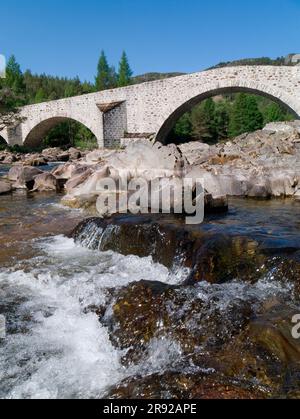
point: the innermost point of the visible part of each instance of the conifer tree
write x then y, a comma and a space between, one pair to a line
125, 72
245, 117
203, 121
274, 113
106, 78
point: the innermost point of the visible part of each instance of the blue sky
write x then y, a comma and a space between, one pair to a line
65, 37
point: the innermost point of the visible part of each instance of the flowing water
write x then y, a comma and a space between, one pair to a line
55, 347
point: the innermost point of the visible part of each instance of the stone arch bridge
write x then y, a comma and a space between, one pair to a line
149, 110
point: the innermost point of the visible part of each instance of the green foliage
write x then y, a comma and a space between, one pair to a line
20, 89
222, 120
203, 121
251, 61
183, 127
40, 96
52, 88
106, 76
225, 117
70, 134
14, 79
144, 78
245, 115
274, 113
125, 72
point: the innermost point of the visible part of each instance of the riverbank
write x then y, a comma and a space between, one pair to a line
48, 155
264, 164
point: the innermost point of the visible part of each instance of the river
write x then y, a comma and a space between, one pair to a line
54, 347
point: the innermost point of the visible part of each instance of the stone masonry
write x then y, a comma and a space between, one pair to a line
151, 109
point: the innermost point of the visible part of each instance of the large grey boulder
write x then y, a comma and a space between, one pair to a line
46, 182
141, 159
287, 127
23, 176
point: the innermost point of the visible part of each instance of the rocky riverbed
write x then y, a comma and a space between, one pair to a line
264, 164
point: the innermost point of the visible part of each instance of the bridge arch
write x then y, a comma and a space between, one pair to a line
36, 133
186, 105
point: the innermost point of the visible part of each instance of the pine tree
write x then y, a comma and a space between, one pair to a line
254, 118
182, 129
222, 117
106, 77
40, 96
125, 72
203, 121
237, 119
14, 77
274, 113
245, 117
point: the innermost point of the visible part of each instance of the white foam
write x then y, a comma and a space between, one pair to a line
65, 353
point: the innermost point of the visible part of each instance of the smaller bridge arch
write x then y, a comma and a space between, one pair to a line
35, 134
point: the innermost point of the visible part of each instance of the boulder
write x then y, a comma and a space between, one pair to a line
78, 179
45, 182
51, 153
63, 157
273, 331
144, 157
66, 171
9, 159
98, 156
261, 164
35, 161
23, 176
74, 154
286, 127
84, 182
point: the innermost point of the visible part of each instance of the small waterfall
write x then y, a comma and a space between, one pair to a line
94, 236
133, 238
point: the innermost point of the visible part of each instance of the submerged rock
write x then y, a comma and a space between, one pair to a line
223, 258
211, 258
171, 385
143, 311
273, 331
5, 187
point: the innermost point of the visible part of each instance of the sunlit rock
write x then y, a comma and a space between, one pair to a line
45, 182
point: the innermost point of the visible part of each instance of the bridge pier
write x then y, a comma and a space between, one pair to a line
114, 116
13, 136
